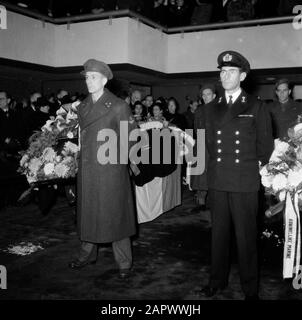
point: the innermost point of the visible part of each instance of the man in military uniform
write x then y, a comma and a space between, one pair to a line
105, 203
238, 140
285, 111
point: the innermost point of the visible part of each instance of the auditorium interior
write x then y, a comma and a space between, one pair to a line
43, 46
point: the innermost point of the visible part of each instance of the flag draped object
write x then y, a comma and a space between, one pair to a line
158, 196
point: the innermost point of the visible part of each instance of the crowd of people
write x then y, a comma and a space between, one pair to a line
174, 13
19, 120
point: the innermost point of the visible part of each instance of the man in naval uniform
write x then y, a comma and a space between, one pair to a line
105, 203
239, 140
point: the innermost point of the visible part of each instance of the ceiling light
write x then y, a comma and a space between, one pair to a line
22, 4
270, 78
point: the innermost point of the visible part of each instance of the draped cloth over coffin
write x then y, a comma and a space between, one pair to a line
158, 196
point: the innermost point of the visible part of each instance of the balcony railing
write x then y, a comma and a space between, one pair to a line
134, 15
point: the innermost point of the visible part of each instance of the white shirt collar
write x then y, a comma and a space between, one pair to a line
234, 95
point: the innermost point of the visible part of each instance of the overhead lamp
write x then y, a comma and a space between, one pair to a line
22, 4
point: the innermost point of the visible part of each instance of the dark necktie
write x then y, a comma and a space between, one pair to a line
230, 103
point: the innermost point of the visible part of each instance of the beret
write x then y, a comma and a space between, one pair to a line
233, 59
97, 66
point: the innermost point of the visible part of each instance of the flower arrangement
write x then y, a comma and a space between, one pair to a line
283, 173
51, 154
282, 177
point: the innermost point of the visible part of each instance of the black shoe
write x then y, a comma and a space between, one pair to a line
254, 297
78, 264
208, 291
125, 273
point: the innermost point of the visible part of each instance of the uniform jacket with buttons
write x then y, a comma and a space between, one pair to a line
237, 138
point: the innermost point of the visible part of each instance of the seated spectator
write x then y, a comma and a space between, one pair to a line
179, 14
286, 7
240, 10
159, 12
172, 115
202, 12
266, 8
99, 6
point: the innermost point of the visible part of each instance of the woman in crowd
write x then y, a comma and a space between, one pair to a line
172, 115
139, 112
157, 112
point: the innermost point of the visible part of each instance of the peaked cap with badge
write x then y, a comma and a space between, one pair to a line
233, 59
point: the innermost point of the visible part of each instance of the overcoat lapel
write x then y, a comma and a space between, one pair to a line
92, 112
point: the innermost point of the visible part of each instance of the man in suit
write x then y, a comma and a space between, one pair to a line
199, 182
105, 202
238, 140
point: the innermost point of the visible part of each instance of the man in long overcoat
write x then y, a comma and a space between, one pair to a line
105, 206
238, 139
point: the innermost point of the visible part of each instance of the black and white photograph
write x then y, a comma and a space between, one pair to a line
150, 154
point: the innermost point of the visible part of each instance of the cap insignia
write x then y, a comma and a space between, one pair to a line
227, 58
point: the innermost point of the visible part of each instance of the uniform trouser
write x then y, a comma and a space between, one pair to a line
121, 250
241, 208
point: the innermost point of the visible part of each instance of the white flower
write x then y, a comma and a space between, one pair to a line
71, 116
294, 177
70, 135
298, 127
266, 178
31, 179
75, 104
61, 111
61, 170
49, 168
47, 125
282, 195
279, 182
71, 147
23, 160
49, 154
280, 148
34, 165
